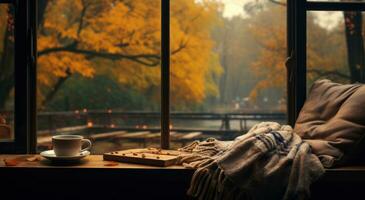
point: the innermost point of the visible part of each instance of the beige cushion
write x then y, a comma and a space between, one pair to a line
332, 121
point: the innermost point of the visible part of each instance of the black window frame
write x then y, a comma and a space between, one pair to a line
26, 73
165, 74
297, 47
24, 78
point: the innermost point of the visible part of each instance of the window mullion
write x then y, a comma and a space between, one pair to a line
165, 74
301, 57
32, 76
296, 63
290, 65
21, 77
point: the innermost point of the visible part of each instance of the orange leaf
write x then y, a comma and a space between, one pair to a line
11, 162
33, 158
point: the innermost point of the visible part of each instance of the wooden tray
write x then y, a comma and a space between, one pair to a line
150, 156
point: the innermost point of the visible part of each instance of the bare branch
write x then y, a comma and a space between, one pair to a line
182, 45
150, 60
82, 15
139, 58
56, 87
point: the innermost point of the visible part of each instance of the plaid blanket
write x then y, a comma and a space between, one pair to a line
268, 162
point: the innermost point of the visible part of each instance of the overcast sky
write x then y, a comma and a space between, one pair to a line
234, 7
325, 19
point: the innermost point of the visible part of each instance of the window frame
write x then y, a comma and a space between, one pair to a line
25, 55
25, 78
165, 74
297, 47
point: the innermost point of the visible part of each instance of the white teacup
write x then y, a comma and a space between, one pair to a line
69, 145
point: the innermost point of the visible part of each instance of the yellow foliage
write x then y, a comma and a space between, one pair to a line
191, 24
326, 49
131, 28
270, 65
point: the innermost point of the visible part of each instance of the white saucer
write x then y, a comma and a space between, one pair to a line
50, 155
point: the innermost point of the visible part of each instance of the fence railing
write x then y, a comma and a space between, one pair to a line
150, 120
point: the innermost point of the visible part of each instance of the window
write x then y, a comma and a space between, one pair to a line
170, 68
100, 64
227, 66
17, 64
340, 54
310, 58
112, 71
99, 72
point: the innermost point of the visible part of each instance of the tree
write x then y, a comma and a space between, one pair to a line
270, 36
326, 49
355, 45
193, 69
237, 49
121, 39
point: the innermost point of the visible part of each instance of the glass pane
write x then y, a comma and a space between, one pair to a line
227, 67
6, 72
99, 72
335, 46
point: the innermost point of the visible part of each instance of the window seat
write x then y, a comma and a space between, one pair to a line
94, 178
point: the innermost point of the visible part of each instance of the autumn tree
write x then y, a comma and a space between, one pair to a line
121, 39
270, 36
353, 24
237, 49
326, 49
193, 70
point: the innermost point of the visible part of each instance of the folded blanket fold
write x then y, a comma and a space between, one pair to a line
269, 162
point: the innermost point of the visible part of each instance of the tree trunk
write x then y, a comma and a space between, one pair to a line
223, 81
355, 46
57, 86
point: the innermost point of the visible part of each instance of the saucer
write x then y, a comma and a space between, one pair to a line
50, 155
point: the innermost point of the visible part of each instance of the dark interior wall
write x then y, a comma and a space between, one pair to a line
120, 184
100, 184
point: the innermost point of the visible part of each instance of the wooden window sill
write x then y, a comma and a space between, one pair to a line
92, 161
96, 163
93, 174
